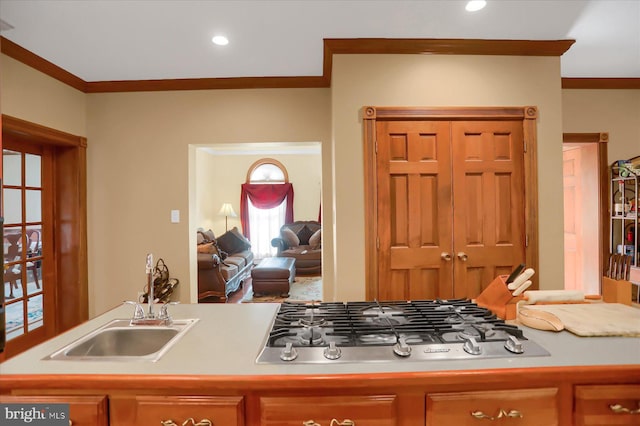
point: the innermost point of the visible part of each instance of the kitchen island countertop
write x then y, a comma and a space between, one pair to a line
233, 335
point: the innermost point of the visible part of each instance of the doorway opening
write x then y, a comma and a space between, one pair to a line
585, 189
220, 170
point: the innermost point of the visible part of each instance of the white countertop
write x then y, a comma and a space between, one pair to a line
229, 337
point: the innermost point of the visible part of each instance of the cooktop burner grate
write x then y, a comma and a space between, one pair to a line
434, 326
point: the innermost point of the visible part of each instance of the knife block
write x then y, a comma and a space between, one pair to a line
498, 299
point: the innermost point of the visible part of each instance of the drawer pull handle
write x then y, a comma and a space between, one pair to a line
189, 421
501, 414
619, 409
334, 422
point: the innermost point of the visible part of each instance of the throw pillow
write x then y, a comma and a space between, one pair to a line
304, 235
200, 238
290, 237
233, 242
207, 248
209, 235
241, 237
315, 241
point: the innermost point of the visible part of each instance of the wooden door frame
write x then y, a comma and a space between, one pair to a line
371, 114
70, 216
602, 140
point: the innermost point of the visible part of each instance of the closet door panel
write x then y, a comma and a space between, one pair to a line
488, 197
414, 209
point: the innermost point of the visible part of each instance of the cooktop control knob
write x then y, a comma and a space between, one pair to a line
513, 345
332, 352
471, 346
401, 348
289, 353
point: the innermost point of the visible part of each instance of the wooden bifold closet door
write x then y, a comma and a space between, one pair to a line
449, 206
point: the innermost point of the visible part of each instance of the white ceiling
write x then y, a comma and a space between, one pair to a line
106, 40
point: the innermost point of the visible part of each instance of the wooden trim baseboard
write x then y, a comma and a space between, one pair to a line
331, 47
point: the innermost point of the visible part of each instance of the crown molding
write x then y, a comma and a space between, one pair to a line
331, 47
25, 56
601, 83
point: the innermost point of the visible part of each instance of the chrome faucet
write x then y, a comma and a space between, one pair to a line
149, 269
139, 317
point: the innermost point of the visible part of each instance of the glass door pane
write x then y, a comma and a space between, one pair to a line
22, 243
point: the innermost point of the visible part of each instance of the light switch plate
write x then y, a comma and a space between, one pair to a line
175, 216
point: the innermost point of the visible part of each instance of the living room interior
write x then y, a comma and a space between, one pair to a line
231, 163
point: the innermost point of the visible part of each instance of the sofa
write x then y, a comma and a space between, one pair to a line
223, 264
301, 240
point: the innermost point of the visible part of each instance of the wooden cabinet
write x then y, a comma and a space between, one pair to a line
563, 396
607, 405
84, 410
522, 407
143, 410
370, 410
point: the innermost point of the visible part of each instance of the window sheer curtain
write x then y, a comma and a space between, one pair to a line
256, 201
264, 225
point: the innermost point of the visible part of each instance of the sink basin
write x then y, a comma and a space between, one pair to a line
120, 341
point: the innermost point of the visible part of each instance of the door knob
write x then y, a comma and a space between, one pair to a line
463, 256
445, 256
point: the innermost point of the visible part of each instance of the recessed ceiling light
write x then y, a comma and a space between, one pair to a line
475, 5
220, 40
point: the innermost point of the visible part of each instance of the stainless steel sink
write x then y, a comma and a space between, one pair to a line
120, 341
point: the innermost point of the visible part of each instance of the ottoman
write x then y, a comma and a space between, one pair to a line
273, 275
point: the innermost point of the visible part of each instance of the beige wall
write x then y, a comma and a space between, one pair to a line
142, 161
220, 178
613, 111
30, 95
433, 80
141, 150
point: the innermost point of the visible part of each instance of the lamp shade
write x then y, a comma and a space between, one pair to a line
227, 210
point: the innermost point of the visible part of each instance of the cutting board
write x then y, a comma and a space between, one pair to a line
595, 319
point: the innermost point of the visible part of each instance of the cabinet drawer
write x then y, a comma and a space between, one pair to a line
83, 410
147, 410
594, 405
523, 407
370, 410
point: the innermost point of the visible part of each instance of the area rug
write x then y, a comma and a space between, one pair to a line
304, 289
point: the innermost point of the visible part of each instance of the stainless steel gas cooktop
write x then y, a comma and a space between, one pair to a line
396, 331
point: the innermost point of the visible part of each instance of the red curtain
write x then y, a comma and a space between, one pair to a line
265, 196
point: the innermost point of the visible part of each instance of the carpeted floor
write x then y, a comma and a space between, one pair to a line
306, 289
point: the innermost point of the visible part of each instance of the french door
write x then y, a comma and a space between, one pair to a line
29, 281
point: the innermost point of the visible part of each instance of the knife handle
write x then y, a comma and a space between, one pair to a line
528, 273
522, 288
515, 273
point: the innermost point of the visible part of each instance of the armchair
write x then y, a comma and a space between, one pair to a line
301, 240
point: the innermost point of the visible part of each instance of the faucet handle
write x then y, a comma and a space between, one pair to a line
138, 312
164, 310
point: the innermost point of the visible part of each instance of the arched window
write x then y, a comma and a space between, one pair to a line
266, 204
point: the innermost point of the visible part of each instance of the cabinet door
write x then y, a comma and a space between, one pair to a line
373, 410
607, 405
528, 407
83, 410
144, 410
